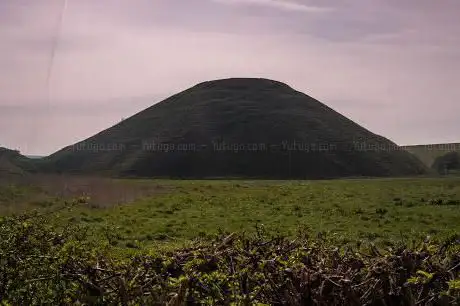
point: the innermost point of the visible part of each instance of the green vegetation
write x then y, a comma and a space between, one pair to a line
349, 210
336, 242
244, 128
166, 212
41, 264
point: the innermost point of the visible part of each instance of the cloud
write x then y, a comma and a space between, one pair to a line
278, 4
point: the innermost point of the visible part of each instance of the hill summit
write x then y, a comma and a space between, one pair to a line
239, 127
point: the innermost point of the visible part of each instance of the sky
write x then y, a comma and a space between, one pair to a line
69, 69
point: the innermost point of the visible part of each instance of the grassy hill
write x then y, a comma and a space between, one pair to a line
237, 128
429, 152
12, 162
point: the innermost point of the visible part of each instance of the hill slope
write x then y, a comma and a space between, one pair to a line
12, 162
237, 128
448, 163
429, 152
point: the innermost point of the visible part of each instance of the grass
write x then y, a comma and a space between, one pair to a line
328, 229
376, 210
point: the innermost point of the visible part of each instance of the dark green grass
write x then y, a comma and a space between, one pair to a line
377, 210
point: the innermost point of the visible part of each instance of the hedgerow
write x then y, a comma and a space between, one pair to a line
44, 264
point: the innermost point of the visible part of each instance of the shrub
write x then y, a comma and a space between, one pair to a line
42, 264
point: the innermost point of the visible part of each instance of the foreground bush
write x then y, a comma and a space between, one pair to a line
41, 264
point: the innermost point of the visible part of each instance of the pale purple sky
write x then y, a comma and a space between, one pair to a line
391, 65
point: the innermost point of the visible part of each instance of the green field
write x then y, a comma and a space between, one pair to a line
229, 242
172, 212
